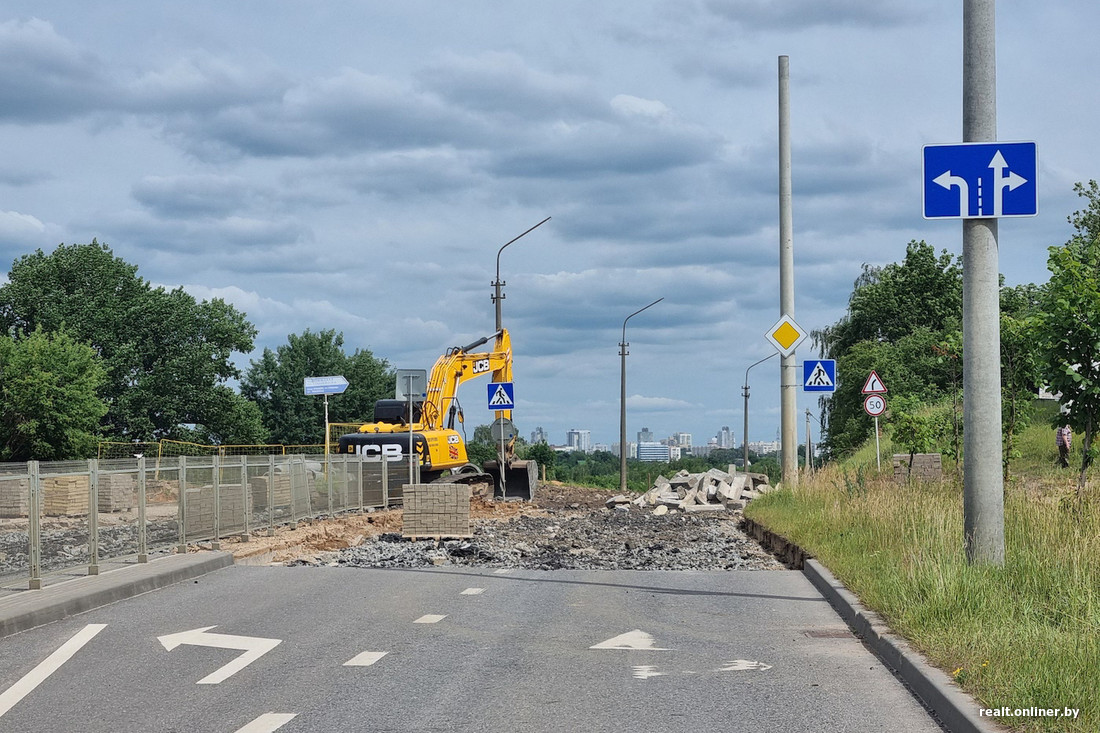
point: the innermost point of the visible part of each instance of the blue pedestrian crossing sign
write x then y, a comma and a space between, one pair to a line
819, 375
980, 180
502, 396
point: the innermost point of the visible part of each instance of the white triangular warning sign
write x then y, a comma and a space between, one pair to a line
819, 377
500, 398
873, 385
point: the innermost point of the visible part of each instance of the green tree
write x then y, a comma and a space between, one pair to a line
49, 409
544, 456
1067, 325
1019, 364
165, 354
274, 382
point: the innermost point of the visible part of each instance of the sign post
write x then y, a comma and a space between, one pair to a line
325, 386
874, 405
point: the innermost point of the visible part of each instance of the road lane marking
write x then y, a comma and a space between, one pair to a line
47, 666
430, 618
253, 647
364, 659
472, 592
646, 671
636, 639
268, 722
744, 665
502, 571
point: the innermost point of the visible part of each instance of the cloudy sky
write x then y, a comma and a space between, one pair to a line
357, 165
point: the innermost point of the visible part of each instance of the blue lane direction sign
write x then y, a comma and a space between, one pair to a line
819, 375
502, 396
980, 180
325, 385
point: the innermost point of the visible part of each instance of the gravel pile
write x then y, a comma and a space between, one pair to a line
632, 539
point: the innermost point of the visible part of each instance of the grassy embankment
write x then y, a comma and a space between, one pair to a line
1021, 636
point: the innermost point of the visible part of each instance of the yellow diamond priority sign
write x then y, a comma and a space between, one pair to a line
786, 335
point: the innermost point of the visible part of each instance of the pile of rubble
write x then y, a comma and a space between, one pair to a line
713, 491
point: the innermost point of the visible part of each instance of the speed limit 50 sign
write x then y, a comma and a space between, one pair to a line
874, 405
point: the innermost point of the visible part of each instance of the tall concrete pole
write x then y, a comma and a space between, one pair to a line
787, 366
983, 488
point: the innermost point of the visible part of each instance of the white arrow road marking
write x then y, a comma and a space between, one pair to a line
472, 592
364, 659
268, 722
744, 665
430, 618
253, 647
1002, 181
636, 639
47, 666
646, 671
947, 180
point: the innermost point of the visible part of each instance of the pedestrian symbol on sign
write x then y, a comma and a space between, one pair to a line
819, 375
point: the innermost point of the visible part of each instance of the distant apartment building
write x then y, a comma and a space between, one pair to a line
601, 448
645, 435
631, 449
764, 447
653, 451
725, 437
681, 440
538, 435
579, 440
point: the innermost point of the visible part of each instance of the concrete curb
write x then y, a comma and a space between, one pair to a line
34, 608
956, 710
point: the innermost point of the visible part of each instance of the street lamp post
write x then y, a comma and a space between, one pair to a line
498, 283
623, 450
745, 394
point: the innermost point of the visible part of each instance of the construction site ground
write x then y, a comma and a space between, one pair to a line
561, 527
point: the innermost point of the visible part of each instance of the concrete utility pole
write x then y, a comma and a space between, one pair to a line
498, 283
983, 488
623, 447
787, 366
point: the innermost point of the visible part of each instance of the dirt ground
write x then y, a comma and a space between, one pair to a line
329, 535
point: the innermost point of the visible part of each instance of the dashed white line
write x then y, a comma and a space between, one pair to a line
11, 696
268, 722
364, 659
472, 592
430, 618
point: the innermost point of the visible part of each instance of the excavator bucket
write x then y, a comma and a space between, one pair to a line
520, 479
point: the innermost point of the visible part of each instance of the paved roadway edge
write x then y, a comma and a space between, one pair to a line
31, 608
957, 711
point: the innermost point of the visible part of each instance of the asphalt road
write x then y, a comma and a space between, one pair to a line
681, 651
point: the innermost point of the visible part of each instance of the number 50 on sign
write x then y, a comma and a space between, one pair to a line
874, 405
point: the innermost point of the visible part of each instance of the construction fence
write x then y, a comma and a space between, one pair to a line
66, 516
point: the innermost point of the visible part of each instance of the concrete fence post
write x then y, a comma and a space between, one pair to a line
181, 548
143, 536
93, 517
34, 511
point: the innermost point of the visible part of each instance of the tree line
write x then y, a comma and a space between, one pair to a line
90, 351
904, 320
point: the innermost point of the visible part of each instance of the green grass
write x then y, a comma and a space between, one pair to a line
1023, 635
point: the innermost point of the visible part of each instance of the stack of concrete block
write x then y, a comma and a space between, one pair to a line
926, 467
117, 492
713, 491
436, 510
285, 496
200, 508
14, 496
65, 496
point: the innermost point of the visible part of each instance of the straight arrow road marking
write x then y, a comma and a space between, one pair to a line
744, 665
364, 659
47, 666
253, 647
268, 722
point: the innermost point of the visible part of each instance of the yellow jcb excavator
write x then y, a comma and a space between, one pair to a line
440, 446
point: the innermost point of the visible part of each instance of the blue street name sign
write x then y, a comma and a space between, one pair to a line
980, 180
325, 385
502, 396
819, 375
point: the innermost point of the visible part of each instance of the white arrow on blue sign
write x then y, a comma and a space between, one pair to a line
325, 385
981, 180
819, 375
502, 396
